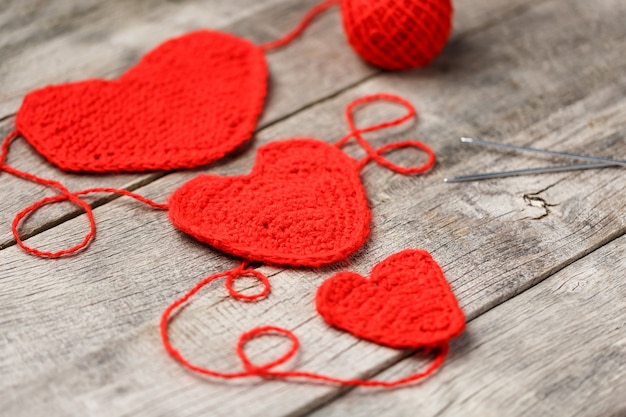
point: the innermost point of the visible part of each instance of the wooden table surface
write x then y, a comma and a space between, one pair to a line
536, 262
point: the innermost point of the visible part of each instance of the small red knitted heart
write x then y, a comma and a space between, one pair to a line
302, 204
407, 303
186, 103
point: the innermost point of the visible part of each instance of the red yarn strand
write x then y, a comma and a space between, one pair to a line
73, 197
65, 195
437, 362
304, 23
4, 151
165, 319
266, 370
55, 199
21, 174
377, 154
140, 198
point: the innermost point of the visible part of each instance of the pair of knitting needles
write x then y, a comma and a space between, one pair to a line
597, 162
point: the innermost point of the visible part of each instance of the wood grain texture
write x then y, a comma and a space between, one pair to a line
557, 349
79, 334
90, 39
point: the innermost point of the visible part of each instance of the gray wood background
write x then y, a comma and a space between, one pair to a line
536, 262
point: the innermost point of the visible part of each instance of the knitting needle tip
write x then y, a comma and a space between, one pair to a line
540, 170
607, 161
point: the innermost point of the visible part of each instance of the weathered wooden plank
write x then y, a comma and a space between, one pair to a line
558, 348
52, 42
75, 305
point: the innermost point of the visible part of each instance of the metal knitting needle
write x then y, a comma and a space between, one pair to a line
605, 162
608, 161
541, 170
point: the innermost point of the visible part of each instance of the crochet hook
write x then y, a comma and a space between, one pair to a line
600, 162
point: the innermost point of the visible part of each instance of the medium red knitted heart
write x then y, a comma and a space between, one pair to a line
303, 204
186, 103
407, 303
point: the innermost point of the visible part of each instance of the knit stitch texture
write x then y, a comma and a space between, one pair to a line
186, 103
303, 204
407, 303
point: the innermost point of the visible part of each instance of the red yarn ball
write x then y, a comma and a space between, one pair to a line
397, 34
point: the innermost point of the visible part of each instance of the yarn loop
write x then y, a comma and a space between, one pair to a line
266, 370
231, 278
49, 200
264, 331
377, 154
65, 195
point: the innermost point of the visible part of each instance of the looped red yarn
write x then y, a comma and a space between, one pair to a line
377, 154
263, 370
49, 200
231, 275
242, 272
266, 370
65, 195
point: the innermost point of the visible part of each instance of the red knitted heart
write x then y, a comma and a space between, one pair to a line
407, 302
303, 204
186, 103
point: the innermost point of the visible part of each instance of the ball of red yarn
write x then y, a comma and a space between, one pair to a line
397, 34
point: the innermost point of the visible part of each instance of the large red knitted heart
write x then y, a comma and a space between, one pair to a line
302, 204
186, 103
407, 302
